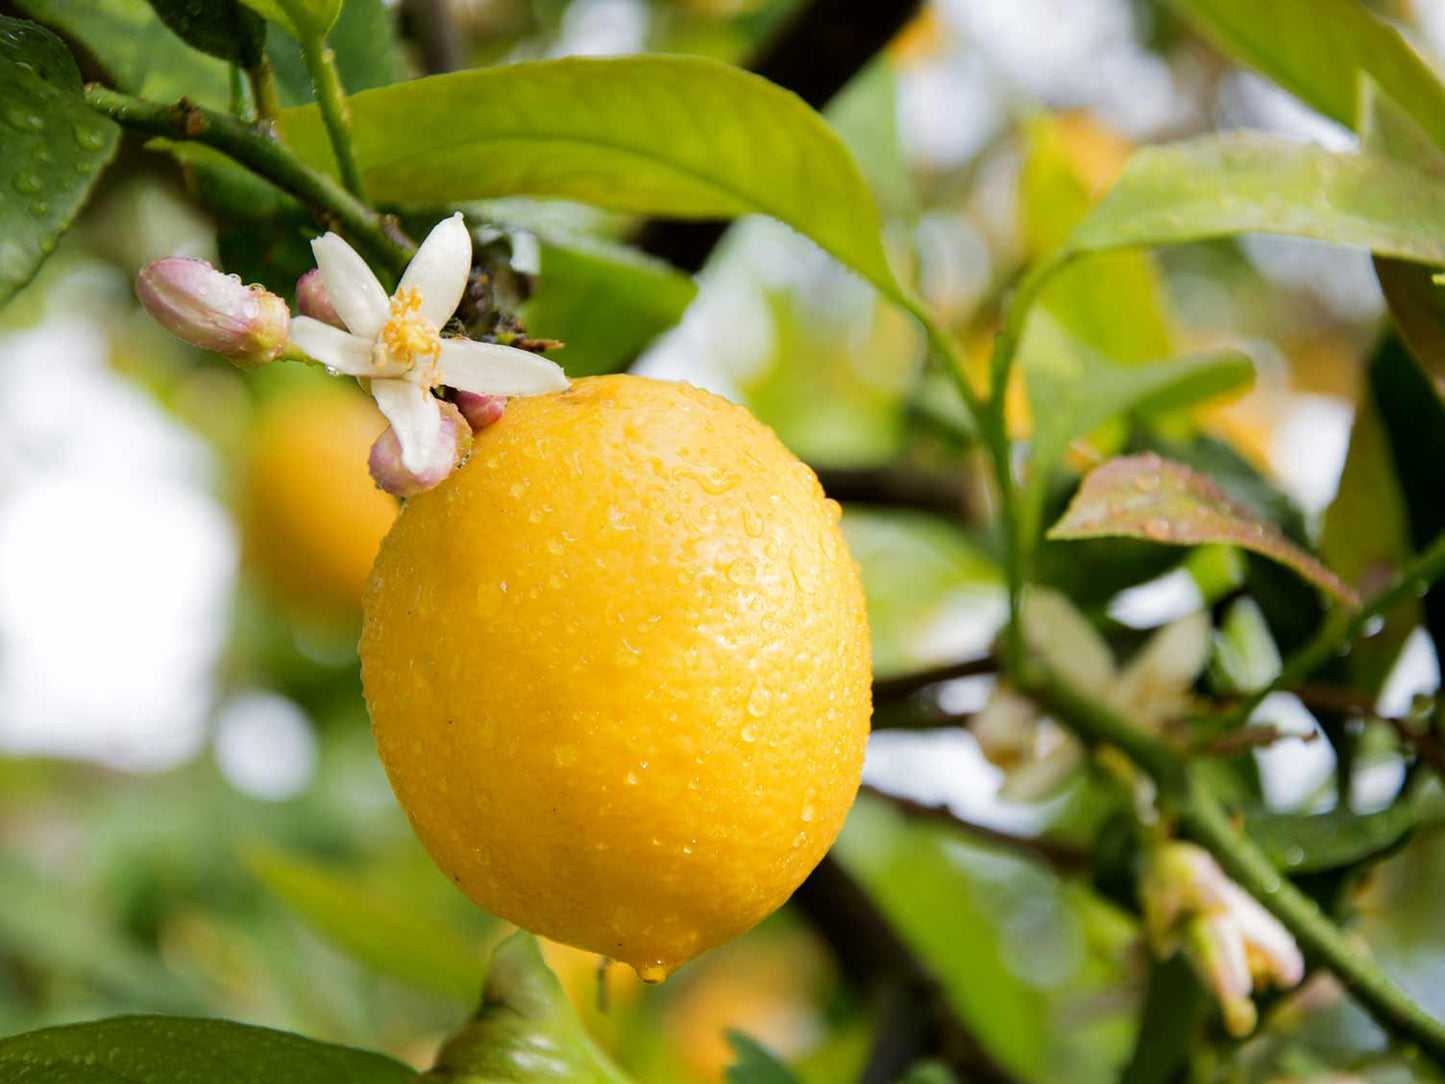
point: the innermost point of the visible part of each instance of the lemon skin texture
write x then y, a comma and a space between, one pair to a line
618, 670
312, 518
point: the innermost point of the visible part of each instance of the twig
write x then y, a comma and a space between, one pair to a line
431, 25
919, 1019
897, 486
1333, 698
1342, 626
889, 689
1201, 817
331, 98
1062, 857
263, 89
254, 148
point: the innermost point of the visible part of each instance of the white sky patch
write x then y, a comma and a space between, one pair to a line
1308, 448
1416, 671
116, 565
265, 745
1158, 602
1292, 769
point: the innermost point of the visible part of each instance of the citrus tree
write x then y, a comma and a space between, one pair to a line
614, 648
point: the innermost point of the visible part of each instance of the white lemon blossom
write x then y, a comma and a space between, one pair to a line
396, 342
1037, 755
1234, 943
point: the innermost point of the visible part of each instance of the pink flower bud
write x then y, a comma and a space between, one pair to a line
390, 472
312, 299
480, 411
197, 303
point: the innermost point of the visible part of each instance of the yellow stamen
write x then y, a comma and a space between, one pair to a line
409, 343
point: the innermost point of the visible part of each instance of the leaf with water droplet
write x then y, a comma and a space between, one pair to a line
1180, 507
44, 177
1312, 842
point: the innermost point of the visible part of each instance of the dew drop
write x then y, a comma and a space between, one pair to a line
1159, 529
807, 813
752, 522
91, 139
758, 701
29, 183
742, 572
1146, 483
632, 779
1293, 856
749, 733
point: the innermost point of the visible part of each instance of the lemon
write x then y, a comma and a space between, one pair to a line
312, 518
618, 670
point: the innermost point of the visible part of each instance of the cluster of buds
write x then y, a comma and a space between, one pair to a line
434, 390
1235, 945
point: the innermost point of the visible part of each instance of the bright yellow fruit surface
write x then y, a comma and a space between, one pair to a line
312, 518
618, 670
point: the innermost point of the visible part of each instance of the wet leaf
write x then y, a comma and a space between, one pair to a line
1220, 185
166, 1049
659, 135
55, 147
1310, 843
525, 1031
220, 28
1147, 497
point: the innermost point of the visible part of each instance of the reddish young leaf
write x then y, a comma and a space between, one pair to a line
1144, 496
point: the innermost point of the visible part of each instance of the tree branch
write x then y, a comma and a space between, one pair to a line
918, 1018
1202, 818
897, 486
1064, 858
889, 689
254, 147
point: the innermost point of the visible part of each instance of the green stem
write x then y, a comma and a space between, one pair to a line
1204, 819
264, 90
331, 98
253, 148
1342, 626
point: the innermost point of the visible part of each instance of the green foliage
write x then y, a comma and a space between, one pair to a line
389, 935
605, 301
1149, 498
299, 18
55, 148
1219, 185
1317, 49
1173, 1012
364, 40
525, 1031
1310, 843
140, 53
618, 133
220, 28
165, 1049
755, 1065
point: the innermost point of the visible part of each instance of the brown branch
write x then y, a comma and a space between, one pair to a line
1062, 857
918, 1021
889, 689
897, 486
1427, 745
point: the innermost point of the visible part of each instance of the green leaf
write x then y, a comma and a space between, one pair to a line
929, 1072
1075, 391
1175, 1006
1219, 185
55, 148
605, 301
658, 135
1317, 48
364, 40
219, 28
391, 936
1310, 843
139, 52
299, 18
755, 1064
525, 1032
1245, 658
166, 1049
1150, 498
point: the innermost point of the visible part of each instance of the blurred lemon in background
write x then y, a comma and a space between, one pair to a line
312, 518
618, 670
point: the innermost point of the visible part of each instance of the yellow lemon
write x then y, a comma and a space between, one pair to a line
312, 517
618, 670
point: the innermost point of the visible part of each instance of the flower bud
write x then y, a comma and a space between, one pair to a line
391, 474
312, 299
197, 303
480, 411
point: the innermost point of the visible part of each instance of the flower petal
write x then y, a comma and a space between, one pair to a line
1267, 936
416, 417
334, 348
356, 295
1035, 780
1066, 641
492, 369
1166, 666
440, 268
